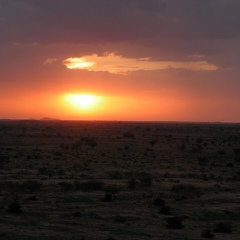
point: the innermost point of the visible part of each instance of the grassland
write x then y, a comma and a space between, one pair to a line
119, 180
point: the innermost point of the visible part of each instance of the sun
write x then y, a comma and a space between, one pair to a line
83, 101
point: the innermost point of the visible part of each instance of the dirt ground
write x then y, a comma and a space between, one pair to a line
119, 180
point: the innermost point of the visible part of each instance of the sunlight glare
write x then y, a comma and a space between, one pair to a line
84, 101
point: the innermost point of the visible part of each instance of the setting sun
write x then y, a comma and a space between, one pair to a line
84, 101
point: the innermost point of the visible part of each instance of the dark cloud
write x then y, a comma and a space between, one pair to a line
205, 19
81, 21
78, 21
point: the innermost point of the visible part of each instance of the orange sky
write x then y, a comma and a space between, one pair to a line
144, 60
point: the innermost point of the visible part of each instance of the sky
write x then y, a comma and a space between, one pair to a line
133, 60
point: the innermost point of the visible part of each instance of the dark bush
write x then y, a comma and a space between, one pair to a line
115, 175
153, 142
45, 171
108, 197
114, 189
10, 186
31, 185
14, 207
206, 233
165, 210
186, 191
174, 223
146, 179
92, 185
223, 227
131, 184
202, 160
89, 141
158, 202
77, 214
31, 198
65, 186
119, 219
230, 165
128, 135
237, 151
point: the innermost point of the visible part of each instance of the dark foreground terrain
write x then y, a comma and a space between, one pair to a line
119, 180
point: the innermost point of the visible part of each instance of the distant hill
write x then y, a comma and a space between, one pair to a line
49, 119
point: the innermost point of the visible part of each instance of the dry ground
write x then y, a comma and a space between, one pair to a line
119, 180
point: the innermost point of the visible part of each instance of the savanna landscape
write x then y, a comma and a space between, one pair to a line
119, 180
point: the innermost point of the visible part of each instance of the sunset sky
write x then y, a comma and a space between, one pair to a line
145, 60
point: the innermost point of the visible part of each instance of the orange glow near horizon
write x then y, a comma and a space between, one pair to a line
92, 105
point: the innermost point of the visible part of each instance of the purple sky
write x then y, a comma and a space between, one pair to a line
37, 36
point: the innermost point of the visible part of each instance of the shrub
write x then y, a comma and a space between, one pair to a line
186, 191
230, 165
66, 186
223, 227
10, 186
115, 175
92, 185
31, 198
108, 197
174, 223
45, 171
119, 219
89, 141
131, 184
128, 135
166, 210
14, 207
146, 179
31, 185
77, 214
158, 202
113, 189
206, 233
237, 151
153, 142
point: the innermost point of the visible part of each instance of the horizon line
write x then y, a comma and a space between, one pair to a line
46, 119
